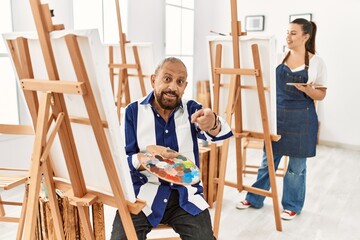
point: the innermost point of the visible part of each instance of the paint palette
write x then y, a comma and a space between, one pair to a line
169, 165
314, 85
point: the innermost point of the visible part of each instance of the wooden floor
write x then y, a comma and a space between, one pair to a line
330, 213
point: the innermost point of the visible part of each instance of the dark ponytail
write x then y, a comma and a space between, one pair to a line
310, 28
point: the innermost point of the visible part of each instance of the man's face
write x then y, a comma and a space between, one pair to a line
169, 85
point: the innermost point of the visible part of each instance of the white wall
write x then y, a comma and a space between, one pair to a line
16, 151
337, 42
23, 19
146, 23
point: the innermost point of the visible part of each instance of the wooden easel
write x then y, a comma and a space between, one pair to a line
234, 102
123, 75
49, 114
256, 143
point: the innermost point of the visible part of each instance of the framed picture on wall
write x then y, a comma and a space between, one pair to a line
254, 23
307, 16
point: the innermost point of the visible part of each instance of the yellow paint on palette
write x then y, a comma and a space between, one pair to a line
188, 164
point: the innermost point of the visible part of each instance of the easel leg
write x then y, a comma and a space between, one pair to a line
111, 69
267, 138
220, 188
139, 71
239, 164
212, 158
35, 173
84, 215
274, 196
98, 220
223, 161
22, 215
2, 210
54, 206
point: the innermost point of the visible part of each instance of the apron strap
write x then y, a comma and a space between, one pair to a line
286, 57
306, 59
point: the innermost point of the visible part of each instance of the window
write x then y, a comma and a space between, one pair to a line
100, 15
9, 112
179, 35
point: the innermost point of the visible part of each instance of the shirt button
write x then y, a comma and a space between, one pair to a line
165, 200
157, 115
166, 131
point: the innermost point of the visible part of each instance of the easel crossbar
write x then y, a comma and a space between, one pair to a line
227, 85
256, 135
9, 219
258, 191
246, 188
10, 181
16, 129
123, 66
11, 203
87, 200
56, 86
134, 75
85, 121
237, 71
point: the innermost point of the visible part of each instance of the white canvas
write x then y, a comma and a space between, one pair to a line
250, 104
93, 54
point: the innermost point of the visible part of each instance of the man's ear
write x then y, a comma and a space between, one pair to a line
152, 80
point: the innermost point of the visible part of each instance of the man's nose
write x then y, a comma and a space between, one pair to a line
172, 85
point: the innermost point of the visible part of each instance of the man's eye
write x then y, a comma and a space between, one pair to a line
167, 79
180, 82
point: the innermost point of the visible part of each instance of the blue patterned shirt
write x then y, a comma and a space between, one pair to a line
143, 126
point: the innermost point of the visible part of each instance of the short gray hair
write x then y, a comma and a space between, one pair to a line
169, 59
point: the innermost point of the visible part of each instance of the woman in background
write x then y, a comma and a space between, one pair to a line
299, 80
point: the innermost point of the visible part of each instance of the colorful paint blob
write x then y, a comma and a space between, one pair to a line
169, 165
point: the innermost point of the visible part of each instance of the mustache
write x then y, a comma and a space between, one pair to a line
171, 92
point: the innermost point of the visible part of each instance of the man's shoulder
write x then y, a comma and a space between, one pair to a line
141, 101
191, 104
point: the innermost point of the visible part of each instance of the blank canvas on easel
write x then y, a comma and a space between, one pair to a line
95, 63
250, 103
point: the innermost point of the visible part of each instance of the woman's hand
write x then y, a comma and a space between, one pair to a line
314, 93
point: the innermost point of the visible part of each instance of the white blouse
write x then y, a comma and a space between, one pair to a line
317, 70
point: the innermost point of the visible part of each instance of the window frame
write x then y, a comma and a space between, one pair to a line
9, 112
187, 58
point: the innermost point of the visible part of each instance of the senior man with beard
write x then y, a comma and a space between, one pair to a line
164, 118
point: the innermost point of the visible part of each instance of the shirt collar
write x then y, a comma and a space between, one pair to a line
148, 99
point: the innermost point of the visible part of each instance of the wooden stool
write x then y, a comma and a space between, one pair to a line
9, 179
163, 227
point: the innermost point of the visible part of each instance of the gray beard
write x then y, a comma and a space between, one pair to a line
160, 100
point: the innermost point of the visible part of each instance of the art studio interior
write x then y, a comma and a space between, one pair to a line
70, 68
